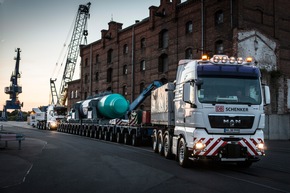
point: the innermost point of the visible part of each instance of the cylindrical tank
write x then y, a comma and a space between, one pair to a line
113, 106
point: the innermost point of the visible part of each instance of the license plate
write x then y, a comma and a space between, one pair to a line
230, 130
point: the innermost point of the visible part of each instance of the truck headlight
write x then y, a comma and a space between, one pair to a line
199, 146
53, 124
260, 146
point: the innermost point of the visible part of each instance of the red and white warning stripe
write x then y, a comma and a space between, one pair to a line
214, 144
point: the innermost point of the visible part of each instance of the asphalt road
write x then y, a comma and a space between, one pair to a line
50, 161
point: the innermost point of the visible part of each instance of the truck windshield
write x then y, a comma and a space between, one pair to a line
230, 90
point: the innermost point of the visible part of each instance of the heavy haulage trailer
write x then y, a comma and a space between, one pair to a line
213, 110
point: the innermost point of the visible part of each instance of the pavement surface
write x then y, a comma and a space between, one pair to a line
15, 164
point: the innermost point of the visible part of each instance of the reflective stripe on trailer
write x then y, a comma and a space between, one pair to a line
214, 144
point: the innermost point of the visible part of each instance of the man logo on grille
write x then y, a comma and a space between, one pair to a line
219, 108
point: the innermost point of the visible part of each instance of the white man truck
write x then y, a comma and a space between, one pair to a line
50, 116
213, 110
203, 115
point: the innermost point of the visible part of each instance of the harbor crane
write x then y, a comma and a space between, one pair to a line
13, 90
79, 32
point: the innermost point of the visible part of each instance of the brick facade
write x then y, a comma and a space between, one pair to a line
127, 60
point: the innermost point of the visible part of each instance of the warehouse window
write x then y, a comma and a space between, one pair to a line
219, 47
163, 39
110, 56
86, 62
76, 95
142, 87
110, 75
72, 94
143, 43
188, 53
86, 78
96, 76
188, 27
125, 90
163, 63
125, 49
142, 65
97, 59
125, 70
219, 17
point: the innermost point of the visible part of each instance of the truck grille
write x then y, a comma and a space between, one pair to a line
242, 122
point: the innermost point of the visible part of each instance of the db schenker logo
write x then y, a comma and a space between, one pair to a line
219, 108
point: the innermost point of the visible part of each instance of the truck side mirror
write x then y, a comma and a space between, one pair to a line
267, 96
188, 93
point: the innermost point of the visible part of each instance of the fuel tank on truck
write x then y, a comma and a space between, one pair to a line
113, 106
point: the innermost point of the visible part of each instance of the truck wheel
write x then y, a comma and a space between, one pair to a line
167, 147
160, 144
183, 153
154, 141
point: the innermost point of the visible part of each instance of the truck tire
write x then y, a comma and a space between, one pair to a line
119, 138
127, 139
167, 146
106, 136
112, 136
100, 134
135, 140
183, 158
154, 141
160, 144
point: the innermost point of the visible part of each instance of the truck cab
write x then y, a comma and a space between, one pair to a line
218, 111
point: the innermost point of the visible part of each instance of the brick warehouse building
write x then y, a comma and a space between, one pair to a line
152, 47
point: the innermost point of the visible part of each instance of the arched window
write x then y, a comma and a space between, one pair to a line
125, 70
188, 53
86, 78
124, 92
219, 17
96, 76
163, 63
143, 43
163, 39
142, 65
188, 27
125, 49
110, 56
97, 59
142, 87
219, 47
110, 75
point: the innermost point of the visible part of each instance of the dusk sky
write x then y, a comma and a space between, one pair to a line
40, 28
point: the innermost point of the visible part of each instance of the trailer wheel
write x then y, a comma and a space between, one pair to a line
183, 153
167, 146
135, 140
127, 139
100, 135
154, 141
96, 134
112, 136
119, 138
106, 136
